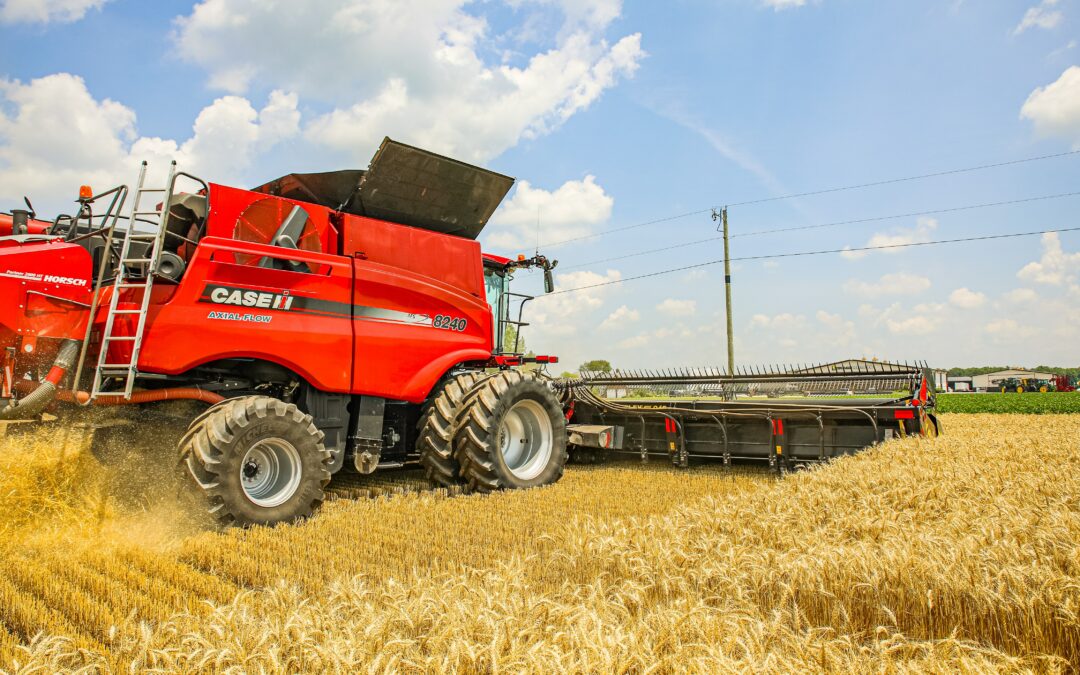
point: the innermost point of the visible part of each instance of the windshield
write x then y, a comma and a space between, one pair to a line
494, 288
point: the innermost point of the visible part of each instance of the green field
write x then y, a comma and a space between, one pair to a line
1037, 403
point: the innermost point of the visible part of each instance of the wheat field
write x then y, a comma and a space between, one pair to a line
956, 554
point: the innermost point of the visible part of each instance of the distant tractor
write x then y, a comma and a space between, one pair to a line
1011, 384
1041, 386
1025, 385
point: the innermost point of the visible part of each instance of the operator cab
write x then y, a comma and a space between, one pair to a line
498, 271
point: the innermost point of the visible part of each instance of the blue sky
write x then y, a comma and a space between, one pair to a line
616, 113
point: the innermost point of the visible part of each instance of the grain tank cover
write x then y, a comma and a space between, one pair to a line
405, 185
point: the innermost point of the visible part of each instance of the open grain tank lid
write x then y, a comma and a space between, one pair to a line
405, 185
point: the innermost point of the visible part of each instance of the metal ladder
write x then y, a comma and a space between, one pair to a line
125, 280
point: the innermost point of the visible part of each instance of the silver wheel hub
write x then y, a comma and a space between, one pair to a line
270, 472
525, 439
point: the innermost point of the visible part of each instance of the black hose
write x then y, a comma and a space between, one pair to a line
32, 404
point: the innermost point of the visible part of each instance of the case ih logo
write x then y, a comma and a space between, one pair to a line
242, 297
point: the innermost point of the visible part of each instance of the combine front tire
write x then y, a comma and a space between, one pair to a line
511, 433
435, 429
257, 460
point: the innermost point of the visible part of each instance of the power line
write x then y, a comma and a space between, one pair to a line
763, 200
821, 252
913, 214
875, 219
891, 181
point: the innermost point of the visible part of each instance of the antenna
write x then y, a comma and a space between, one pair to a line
537, 230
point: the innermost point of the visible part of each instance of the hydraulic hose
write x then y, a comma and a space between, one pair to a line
38, 396
150, 396
33, 403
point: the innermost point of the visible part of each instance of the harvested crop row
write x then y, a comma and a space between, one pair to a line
954, 554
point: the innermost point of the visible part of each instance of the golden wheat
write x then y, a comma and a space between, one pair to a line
959, 554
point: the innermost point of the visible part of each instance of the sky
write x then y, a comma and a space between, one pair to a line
625, 123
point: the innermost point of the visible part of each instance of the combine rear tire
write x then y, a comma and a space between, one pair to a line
435, 429
257, 460
511, 434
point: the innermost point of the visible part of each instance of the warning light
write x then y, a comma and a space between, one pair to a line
85, 192
521, 257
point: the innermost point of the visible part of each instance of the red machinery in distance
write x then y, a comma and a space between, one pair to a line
1063, 383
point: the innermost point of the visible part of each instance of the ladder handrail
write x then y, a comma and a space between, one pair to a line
122, 281
122, 194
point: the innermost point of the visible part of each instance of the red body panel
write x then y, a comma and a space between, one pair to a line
380, 309
399, 352
451, 260
44, 289
191, 329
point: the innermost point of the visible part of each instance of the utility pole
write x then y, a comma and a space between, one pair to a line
722, 216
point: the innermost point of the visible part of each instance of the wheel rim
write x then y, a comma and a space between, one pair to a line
270, 472
525, 439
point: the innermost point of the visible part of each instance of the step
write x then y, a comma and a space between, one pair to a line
125, 284
129, 261
119, 338
127, 311
124, 367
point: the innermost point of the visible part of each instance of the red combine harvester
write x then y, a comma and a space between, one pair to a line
351, 317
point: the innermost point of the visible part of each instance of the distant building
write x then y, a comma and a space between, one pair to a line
991, 381
960, 383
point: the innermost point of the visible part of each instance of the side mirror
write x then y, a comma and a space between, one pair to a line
549, 283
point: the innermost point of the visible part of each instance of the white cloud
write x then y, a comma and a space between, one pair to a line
1042, 15
673, 307
784, 320
1055, 267
619, 318
900, 236
719, 142
58, 137
634, 342
1009, 330
778, 5
839, 331
913, 325
44, 11
967, 299
900, 283
1055, 108
563, 314
1021, 296
412, 70
564, 213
